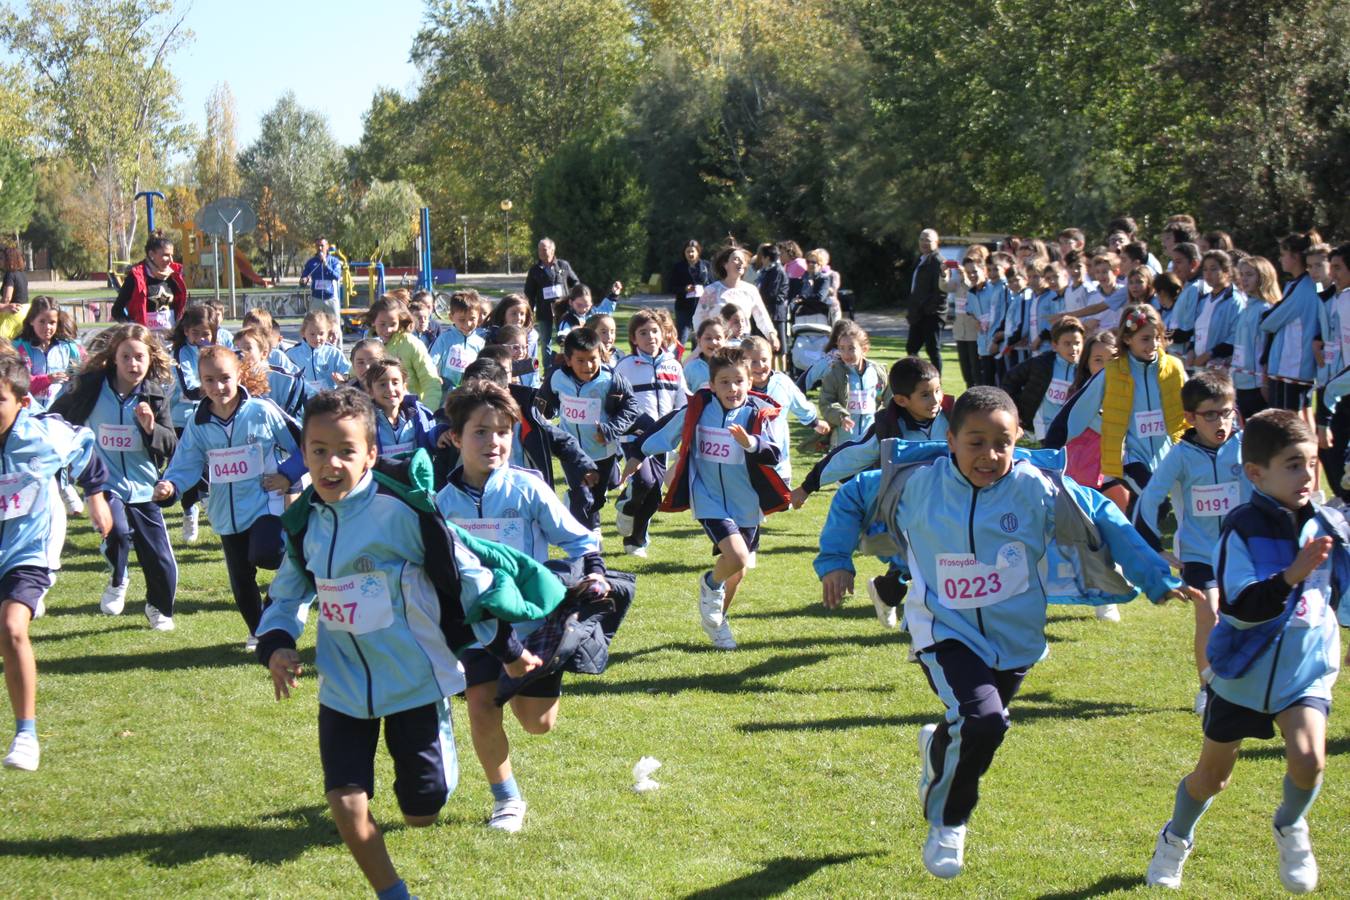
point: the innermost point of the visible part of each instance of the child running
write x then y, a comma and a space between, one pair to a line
711, 336
317, 358
284, 388
49, 348
120, 398
1204, 473
32, 450
1283, 571
491, 499
1041, 385
725, 472
459, 344
392, 323
851, 387
236, 438
395, 604
403, 424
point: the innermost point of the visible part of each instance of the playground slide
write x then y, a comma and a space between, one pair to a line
245, 269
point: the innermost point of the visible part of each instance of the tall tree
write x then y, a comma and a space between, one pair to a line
18, 189
100, 75
385, 216
215, 166
296, 166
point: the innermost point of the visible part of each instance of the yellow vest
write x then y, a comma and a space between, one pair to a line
1118, 407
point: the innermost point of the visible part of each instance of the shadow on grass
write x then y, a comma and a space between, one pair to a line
215, 656
1025, 708
775, 877
671, 567
880, 638
274, 839
1101, 886
727, 682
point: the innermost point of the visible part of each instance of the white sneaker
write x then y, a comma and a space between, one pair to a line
74, 503
251, 644
944, 853
1108, 613
1169, 855
508, 815
114, 598
638, 550
158, 621
1201, 701
190, 529
926, 772
886, 615
623, 524
710, 604
41, 609
23, 752
1298, 868
722, 637
752, 561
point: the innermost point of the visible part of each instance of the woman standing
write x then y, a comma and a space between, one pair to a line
13, 295
153, 294
687, 282
731, 265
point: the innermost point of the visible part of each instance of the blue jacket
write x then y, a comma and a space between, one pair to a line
34, 449
131, 455
606, 403
1291, 325
696, 373
791, 400
1248, 343
416, 428
1083, 411
1210, 484
288, 390
1187, 308
864, 453
325, 275
988, 304
1048, 304
1285, 638
233, 506
992, 545
187, 384
61, 356
1216, 323
741, 487
406, 658
317, 365
518, 509
452, 353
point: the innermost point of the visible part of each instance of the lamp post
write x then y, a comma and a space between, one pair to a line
464, 220
506, 210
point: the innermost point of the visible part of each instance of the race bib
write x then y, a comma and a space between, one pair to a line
1214, 499
17, 495
160, 320
459, 358
510, 532
118, 438
231, 464
580, 410
717, 445
693, 291
862, 403
1311, 610
966, 583
1149, 423
552, 292
1058, 392
323, 286
356, 604
397, 449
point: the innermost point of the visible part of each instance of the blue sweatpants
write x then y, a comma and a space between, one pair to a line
977, 699
141, 525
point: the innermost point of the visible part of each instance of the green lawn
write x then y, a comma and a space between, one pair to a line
789, 764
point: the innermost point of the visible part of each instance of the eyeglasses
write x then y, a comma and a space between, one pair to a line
1215, 415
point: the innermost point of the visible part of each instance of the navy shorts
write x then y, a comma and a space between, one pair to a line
420, 741
1199, 576
719, 530
481, 667
1226, 721
26, 584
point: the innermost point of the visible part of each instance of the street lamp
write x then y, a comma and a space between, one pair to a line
506, 209
465, 221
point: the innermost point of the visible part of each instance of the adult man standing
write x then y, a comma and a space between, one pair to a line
323, 273
927, 303
548, 281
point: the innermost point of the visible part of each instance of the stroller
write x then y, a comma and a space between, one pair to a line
810, 332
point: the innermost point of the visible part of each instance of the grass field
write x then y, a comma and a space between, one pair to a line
789, 765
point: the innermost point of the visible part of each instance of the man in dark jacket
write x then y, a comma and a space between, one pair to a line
548, 281
773, 290
927, 303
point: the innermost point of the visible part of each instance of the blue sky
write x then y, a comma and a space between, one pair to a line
333, 54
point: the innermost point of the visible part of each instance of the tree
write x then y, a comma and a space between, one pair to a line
100, 77
298, 163
215, 167
18, 189
385, 217
590, 199
67, 218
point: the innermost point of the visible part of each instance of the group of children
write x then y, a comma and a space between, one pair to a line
445, 436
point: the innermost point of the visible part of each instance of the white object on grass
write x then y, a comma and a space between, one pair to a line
642, 774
